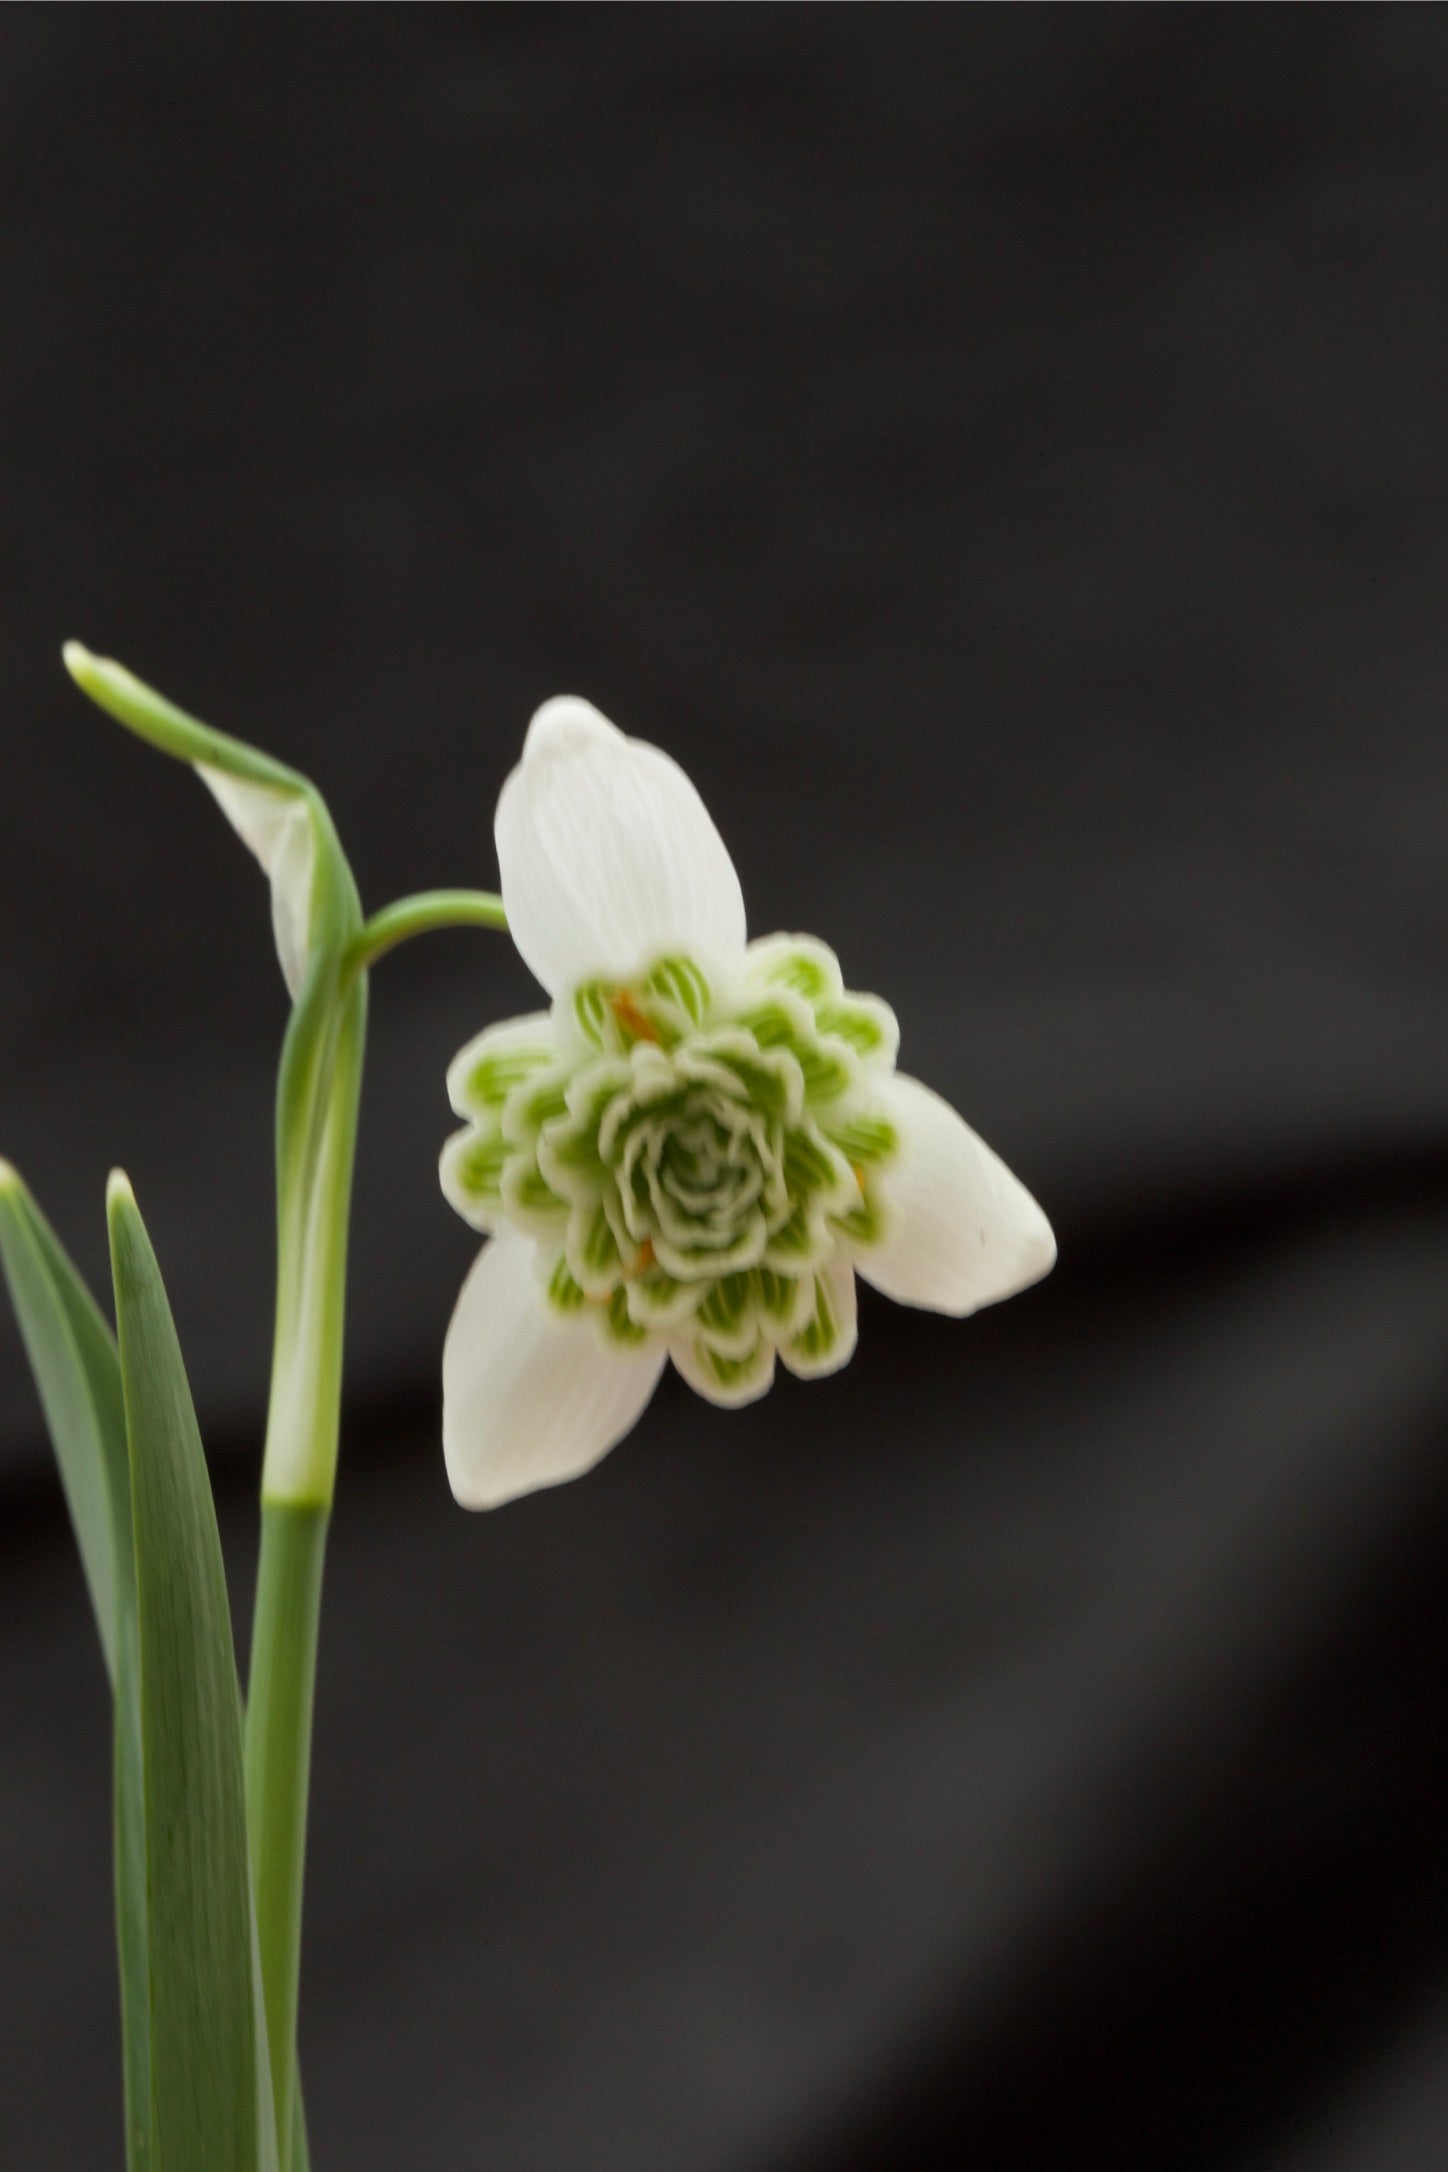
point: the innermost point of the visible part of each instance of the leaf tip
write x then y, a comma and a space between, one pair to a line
78, 661
9, 1176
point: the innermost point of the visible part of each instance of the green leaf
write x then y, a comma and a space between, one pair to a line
210, 2082
133, 1928
73, 1355
285, 1628
301, 2160
77, 1370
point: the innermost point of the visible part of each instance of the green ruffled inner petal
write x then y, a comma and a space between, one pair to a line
473, 1167
618, 1323
694, 1155
798, 962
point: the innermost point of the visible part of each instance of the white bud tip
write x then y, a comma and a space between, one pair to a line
77, 659
566, 725
9, 1176
118, 1190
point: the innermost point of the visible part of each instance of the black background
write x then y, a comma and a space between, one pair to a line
1004, 455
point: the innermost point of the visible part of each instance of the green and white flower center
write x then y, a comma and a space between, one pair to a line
695, 1154
698, 1181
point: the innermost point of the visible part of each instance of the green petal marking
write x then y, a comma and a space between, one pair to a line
693, 1156
780, 1021
564, 1295
725, 1319
814, 1168
819, 1339
827, 1339
618, 1326
528, 1199
594, 1257
723, 1377
779, 1301
803, 1242
496, 1062
568, 1150
680, 983
472, 1171
493, 1077
785, 1021
536, 1102
866, 1222
799, 962
732, 1372
863, 1139
862, 1023
590, 1011
658, 1300
481, 1167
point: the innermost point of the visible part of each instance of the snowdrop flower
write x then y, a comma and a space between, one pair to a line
694, 1150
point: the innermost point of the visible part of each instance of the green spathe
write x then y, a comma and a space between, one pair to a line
317, 919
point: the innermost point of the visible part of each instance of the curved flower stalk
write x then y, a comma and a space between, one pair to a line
692, 1153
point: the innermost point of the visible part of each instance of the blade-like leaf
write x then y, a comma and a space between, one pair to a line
133, 1929
73, 1357
77, 1371
210, 2076
301, 2157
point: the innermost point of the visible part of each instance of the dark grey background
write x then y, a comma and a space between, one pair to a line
1005, 456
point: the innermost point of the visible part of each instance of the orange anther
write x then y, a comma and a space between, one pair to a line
631, 1018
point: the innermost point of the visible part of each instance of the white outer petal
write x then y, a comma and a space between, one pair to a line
607, 853
277, 827
964, 1231
527, 1400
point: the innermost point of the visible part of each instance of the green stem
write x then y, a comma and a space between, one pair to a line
278, 1760
419, 916
318, 1096
317, 1109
